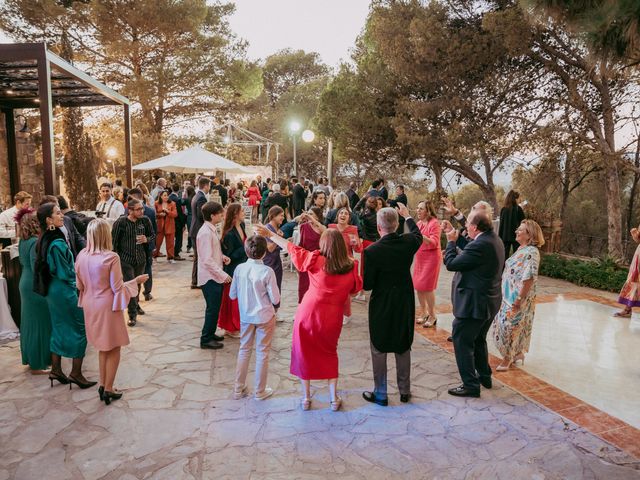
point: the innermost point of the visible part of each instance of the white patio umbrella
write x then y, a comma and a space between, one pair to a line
193, 160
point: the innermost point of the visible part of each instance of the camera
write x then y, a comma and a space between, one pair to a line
100, 214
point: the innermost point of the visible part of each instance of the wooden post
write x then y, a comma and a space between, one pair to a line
46, 123
127, 145
12, 152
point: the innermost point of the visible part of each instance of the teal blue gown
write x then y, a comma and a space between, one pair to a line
35, 322
68, 338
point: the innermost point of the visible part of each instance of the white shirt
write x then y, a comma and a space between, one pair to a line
254, 285
112, 208
7, 223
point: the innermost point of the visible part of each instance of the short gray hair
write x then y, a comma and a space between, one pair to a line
275, 188
387, 219
482, 205
341, 200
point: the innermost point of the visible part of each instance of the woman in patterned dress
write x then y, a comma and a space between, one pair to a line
512, 326
630, 293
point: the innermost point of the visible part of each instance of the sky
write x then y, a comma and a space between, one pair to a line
329, 27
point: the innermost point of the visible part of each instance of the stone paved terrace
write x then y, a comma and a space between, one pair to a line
177, 419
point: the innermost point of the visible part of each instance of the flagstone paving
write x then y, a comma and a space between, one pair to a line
177, 419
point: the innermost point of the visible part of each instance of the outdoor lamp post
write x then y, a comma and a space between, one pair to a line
294, 128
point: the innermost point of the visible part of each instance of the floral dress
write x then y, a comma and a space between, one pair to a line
630, 293
512, 332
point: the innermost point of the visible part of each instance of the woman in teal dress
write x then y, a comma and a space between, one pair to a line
513, 324
55, 279
35, 323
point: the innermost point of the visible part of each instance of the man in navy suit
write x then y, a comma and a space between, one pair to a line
197, 220
476, 296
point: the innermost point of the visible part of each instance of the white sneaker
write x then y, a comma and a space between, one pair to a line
346, 320
172, 261
264, 395
361, 297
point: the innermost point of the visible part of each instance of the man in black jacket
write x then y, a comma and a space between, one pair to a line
80, 220
476, 296
354, 198
75, 241
387, 273
221, 191
181, 219
299, 197
276, 198
197, 220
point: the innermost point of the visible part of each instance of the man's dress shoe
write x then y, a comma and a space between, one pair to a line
217, 338
449, 339
486, 382
462, 391
405, 397
212, 345
371, 397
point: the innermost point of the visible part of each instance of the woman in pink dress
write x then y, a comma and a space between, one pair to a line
311, 228
426, 264
352, 241
103, 296
333, 277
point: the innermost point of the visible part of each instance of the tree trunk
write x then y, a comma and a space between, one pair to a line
490, 196
437, 174
614, 211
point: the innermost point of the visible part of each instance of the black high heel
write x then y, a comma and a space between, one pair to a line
108, 396
60, 377
101, 392
79, 383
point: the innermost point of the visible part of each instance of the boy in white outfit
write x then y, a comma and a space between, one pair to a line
254, 285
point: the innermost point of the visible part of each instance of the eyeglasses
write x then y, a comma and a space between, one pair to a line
137, 209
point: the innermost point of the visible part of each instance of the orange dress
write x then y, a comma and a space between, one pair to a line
318, 321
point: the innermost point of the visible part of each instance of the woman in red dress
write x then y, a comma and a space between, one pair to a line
253, 194
426, 264
353, 243
233, 237
333, 278
311, 228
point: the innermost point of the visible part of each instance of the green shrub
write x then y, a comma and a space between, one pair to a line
602, 274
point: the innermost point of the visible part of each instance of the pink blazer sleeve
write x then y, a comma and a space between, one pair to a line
122, 291
433, 232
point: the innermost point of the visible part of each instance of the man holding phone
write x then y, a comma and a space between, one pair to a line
131, 234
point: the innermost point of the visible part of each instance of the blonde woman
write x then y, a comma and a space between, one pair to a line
104, 296
512, 326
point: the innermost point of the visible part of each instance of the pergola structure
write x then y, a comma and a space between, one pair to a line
33, 77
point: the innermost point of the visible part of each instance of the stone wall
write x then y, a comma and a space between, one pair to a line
29, 166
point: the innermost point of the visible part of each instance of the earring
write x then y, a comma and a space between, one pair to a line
51, 227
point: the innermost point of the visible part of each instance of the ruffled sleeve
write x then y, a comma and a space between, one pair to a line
303, 259
122, 291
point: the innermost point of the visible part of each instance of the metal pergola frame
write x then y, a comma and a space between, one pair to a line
33, 77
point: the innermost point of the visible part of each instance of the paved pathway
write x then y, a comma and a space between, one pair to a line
177, 419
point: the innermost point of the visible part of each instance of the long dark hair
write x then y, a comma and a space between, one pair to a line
42, 274
511, 200
230, 217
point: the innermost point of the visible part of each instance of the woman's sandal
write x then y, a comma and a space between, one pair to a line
335, 405
430, 322
305, 403
623, 314
421, 320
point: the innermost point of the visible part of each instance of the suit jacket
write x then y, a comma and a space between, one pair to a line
233, 247
166, 224
354, 198
75, 240
476, 287
276, 199
222, 192
299, 199
387, 273
197, 220
181, 219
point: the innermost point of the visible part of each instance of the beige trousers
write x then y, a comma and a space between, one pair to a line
261, 334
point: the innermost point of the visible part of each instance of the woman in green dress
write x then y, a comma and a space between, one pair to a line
55, 279
35, 323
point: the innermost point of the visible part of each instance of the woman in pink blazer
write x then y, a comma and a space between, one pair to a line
103, 296
426, 264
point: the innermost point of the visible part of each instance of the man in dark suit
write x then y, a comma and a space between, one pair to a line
354, 198
299, 197
150, 213
387, 274
181, 219
383, 190
221, 190
197, 220
476, 296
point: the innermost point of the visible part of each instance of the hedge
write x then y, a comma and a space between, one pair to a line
603, 274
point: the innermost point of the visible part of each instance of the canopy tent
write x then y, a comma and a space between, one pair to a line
193, 160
